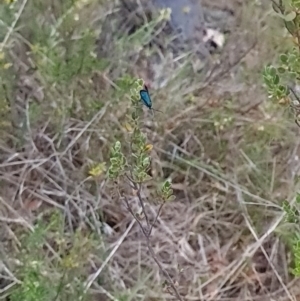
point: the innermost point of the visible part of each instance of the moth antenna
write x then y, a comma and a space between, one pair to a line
157, 110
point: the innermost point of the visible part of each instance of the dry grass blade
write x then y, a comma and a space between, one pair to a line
62, 220
93, 277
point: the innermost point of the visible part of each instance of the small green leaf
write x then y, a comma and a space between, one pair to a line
268, 82
171, 198
113, 161
292, 58
284, 58
276, 79
167, 185
147, 178
117, 146
134, 115
298, 198
282, 89
290, 16
291, 26
272, 71
281, 70
146, 162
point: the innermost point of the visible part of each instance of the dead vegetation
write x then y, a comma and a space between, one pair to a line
232, 158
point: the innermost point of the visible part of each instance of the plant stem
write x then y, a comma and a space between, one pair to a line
152, 253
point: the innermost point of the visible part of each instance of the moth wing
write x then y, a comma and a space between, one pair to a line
146, 98
143, 92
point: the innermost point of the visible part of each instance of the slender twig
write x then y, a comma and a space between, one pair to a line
277, 7
139, 187
138, 192
166, 274
130, 181
135, 217
156, 217
295, 107
152, 253
294, 93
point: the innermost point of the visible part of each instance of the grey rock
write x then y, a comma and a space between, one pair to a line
186, 17
187, 20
